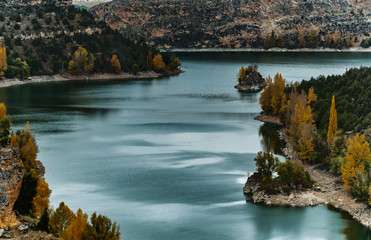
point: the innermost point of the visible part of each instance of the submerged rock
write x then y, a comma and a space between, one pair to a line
253, 82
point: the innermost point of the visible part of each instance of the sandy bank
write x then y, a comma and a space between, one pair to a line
328, 190
92, 77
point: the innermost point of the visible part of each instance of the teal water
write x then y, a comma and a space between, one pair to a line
167, 159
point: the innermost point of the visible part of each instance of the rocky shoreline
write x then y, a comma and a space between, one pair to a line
92, 77
328, 189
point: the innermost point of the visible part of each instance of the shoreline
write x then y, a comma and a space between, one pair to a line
327, 189
93, 77
273, 50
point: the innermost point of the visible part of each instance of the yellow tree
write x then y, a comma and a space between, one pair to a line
81, 62
333, 125
3, 63
2, 110
158, 63
29, 153
41, 199
305, 144
357, 156
241, 74
60, 219
76, 227
266, 94
277, 92
115, 62
312, 97
301, 38
13, 141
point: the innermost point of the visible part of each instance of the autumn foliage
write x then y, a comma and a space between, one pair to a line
357, 157
158, 63
3, 63
41, 201
82, 62
273, 97
115, 62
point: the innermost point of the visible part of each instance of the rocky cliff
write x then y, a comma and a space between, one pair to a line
232, 23
11, 175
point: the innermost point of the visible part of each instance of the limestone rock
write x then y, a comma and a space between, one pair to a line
253, 82
11, 175
234, 23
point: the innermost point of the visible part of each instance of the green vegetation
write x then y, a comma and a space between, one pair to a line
291, 174
309, 38
332, 134
42, 39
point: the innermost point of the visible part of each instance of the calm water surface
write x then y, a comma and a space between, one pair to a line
167, 159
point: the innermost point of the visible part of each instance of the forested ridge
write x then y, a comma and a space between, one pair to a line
353, 99
42, 39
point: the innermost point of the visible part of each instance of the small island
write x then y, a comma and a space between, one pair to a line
249, 79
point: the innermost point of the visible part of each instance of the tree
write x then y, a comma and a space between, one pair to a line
241, 74
43, 224
2, 110
5, 127
101, 228
41, 200
333, 125
3, 63
266, 163
358, 155
28, 154
293, 175
158, 63
60, 219
301, 39
81, 62
76, 227
19, 69
115, 62
149, 60
280, 41
278, 93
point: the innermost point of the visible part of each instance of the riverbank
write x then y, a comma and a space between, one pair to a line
353, 49
92, 77
328, 189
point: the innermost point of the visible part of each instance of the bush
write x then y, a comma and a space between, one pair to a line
292, 174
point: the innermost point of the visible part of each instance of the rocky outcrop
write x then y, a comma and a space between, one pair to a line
253, 82
232, 23
11, 175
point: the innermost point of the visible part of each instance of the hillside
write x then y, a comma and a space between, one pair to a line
239, 24
41, 40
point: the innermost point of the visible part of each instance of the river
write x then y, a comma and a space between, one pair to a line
167, 158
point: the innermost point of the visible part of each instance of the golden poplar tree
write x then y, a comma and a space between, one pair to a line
241, 74
3, 63
333, 125
312, 97
76, 227
60, 219
41, 199
266, 94
2, 110
115, 62
81, 62
357, 156
13, 141
278, 88
29, 153
158, 63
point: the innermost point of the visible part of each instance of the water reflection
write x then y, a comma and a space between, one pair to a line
270, 139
